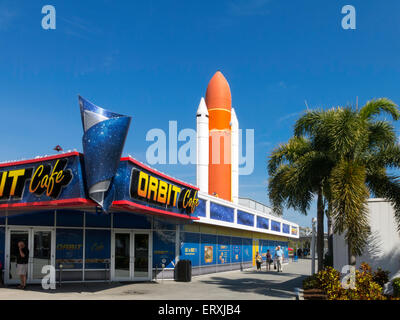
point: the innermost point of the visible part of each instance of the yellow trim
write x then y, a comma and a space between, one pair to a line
217, 109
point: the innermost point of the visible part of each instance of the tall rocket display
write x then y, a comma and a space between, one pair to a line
202, 146
219, 176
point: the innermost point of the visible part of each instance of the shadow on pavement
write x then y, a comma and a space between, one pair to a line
274, 288
80, 287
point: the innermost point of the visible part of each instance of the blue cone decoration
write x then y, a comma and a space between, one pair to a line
103, 141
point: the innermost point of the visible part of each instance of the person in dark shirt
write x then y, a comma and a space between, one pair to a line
22, 263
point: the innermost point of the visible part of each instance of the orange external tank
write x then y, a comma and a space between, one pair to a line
219, 104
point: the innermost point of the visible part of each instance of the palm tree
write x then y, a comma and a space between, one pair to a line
361, 148
297, 172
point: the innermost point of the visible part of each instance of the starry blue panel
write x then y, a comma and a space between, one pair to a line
275, 226
219, 212
201, 209
285, 228
262, 223
103, 143
245, 218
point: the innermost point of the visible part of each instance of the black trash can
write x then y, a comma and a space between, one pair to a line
183, 271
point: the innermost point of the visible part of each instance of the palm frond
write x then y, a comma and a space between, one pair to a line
377, 106
349, 197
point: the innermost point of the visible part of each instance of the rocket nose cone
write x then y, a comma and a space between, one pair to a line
218, 93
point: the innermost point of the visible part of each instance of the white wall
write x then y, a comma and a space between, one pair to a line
383, 249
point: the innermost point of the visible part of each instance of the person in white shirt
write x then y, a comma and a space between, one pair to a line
279, 258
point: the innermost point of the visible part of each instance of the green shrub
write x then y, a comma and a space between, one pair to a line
329, 279
381, 276
396, 287
311, 282
365, 287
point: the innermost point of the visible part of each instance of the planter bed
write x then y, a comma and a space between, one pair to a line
314, 294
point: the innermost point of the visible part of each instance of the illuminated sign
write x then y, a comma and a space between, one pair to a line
145, 186
44, 179
59, 181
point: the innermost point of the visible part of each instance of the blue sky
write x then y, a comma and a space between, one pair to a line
153, 59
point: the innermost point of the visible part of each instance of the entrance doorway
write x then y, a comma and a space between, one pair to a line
131, 257
40, 243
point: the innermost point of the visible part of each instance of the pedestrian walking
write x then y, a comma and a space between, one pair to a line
279, 258
258, 261
268, 258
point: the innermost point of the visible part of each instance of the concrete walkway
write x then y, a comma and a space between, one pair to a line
231, 285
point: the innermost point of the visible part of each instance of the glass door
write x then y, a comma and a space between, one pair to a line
15, 236
39, 242
131, 256
122, 256
42, 253
141, 256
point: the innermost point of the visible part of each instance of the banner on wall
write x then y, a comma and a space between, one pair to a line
190, 248
224, 250
208, 247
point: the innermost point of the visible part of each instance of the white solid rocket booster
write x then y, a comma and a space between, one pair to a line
202, 145
235, 156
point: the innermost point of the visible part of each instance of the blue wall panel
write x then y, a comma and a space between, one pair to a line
236, 249
275, 225
201, 209
69, 248
97, 248
221, 213
2, 248
190, 248
285, 228
131, 220
262, 223
164, 248
70, 218
42, 218
247, 250
245, 218
99, 220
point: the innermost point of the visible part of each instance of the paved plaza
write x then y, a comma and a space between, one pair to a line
231, 285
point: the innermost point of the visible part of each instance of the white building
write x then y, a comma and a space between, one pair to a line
383, 249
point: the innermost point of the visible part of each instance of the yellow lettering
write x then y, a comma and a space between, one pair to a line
153, 186
176, 191
142, 191
162, 192
3, 182
15, 174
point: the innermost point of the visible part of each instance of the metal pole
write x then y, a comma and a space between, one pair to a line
60, 267
314, 221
